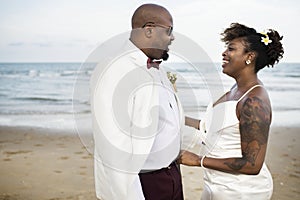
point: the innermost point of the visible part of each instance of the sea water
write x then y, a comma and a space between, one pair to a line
42, 94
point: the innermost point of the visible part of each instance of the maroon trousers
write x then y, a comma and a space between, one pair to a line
163, 184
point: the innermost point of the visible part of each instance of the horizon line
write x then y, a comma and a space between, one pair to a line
38, 62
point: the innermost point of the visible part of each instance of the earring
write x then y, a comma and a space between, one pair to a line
248, 62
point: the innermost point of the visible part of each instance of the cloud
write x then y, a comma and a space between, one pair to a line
16, 44
42, 44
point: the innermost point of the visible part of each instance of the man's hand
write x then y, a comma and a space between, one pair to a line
189, 159
192, 122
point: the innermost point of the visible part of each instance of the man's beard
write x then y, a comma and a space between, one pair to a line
165, 55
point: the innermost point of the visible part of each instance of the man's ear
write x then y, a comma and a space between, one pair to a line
148, 30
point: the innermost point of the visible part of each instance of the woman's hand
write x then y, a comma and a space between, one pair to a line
189, 159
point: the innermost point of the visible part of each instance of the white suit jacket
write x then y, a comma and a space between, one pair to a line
125, 112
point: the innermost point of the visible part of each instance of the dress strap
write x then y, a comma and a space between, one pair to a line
255, 86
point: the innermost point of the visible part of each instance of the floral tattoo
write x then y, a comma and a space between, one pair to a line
255, 119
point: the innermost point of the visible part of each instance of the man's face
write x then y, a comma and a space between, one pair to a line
162, 37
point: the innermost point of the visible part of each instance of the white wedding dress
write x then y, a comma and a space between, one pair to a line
220, 127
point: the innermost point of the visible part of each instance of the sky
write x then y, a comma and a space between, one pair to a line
69, 30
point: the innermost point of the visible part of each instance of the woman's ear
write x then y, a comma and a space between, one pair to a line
251, 56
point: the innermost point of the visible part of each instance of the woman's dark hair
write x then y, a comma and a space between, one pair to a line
267, 55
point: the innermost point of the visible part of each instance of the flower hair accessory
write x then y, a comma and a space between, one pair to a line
172, 78
266, 40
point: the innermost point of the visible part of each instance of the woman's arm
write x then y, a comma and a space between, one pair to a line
192, 122
255, 119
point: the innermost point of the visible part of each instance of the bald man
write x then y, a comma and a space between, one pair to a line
137, 117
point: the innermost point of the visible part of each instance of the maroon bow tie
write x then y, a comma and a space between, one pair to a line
151, 63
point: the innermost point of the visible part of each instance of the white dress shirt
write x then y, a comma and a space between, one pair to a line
166, 146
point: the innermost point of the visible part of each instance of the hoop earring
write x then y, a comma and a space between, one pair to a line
248, 62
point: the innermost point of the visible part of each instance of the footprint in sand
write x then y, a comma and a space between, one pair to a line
86, 157
79, 152
294, 175
82, 173
198, 189
64, 158
16, 152
61, 145
57, 171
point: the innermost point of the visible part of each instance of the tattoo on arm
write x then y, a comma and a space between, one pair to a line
237, 164
255, 119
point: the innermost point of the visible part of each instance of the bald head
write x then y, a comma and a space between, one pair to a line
150, 13
154, 38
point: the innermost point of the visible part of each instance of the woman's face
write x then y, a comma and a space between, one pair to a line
234, 58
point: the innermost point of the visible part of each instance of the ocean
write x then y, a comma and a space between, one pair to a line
42, 94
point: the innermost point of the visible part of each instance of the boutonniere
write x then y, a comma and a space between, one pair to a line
172, 77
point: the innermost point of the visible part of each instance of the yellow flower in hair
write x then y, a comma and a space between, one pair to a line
264, 33
266, 40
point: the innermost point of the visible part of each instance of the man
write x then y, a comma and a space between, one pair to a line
137, 116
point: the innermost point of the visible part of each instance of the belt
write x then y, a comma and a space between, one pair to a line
173, 164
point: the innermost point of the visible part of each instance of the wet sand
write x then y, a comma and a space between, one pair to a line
38, 164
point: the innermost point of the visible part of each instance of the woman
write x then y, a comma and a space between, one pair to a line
235, 147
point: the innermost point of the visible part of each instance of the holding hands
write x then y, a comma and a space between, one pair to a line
188, 158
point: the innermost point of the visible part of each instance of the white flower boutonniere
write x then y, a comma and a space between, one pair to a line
172, 77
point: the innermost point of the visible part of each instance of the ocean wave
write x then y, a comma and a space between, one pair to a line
43, 112
41, 99
281, 108
33, 73
293, 75
43, 74
285, 89
194, 108
74, 72
11, 76
49, 75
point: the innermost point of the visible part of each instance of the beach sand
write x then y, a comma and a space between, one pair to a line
38, 164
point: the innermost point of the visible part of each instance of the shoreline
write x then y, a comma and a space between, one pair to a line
39, 164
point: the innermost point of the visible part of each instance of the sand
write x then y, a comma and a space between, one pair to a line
38, 164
